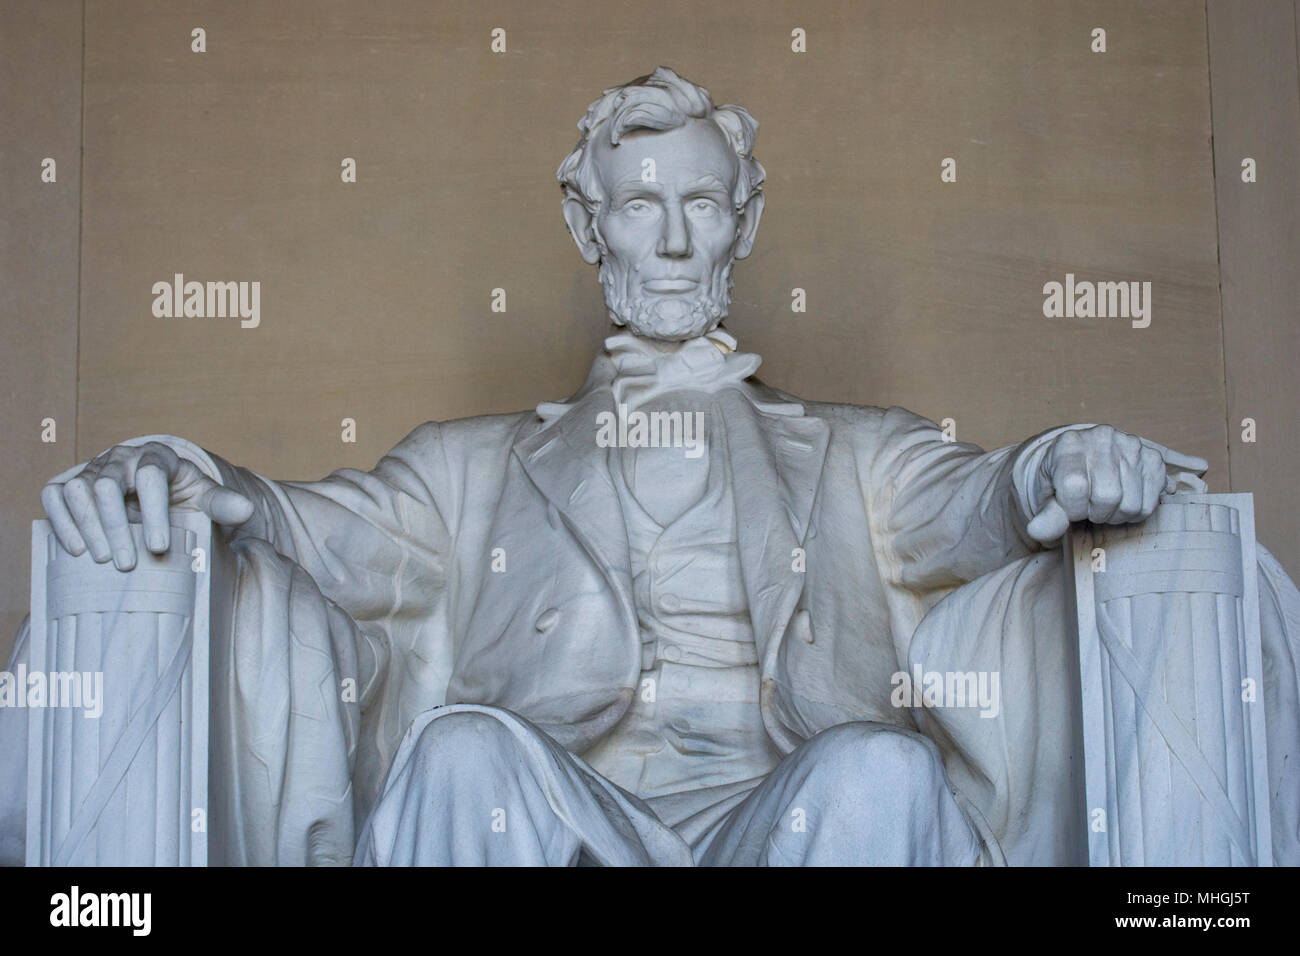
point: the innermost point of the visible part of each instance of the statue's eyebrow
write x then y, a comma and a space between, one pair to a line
636, 187
706, 182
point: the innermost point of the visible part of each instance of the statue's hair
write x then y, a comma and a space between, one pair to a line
660, 101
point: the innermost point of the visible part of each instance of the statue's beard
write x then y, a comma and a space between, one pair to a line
670, 318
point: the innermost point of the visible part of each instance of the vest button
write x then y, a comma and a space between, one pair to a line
547, 619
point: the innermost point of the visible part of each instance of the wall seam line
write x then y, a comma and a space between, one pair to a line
1218, 252
81, 203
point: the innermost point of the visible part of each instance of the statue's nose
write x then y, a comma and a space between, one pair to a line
675, 241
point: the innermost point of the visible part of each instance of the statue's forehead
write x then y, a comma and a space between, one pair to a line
690, 153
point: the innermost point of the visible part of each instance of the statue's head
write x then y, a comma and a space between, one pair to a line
664, 192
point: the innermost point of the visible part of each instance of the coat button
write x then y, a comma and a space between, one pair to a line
547, 619
670, 602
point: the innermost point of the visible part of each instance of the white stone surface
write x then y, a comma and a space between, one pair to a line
127, 786
543, 638
1172, 678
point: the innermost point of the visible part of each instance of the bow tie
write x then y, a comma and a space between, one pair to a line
645, 369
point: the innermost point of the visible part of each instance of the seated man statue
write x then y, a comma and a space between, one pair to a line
659, 622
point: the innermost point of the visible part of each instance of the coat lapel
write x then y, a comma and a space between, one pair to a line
572, 471
776, 465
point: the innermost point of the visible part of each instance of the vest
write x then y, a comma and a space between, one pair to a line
692, 743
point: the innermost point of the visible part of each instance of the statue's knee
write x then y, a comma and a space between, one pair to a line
463, 744
860, 756
871, 794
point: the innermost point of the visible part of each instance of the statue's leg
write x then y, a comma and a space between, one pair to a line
859, 794
479, 786
1279, 619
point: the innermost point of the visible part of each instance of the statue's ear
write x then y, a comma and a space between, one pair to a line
747, 229
579, 218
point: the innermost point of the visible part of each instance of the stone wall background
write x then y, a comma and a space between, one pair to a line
376, 295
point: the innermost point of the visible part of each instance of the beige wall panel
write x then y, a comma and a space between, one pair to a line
40, 116
1256, 103
375, 297
929, 294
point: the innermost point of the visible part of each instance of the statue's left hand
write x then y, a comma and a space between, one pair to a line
1106, 476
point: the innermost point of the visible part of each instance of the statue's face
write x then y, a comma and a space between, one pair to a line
668, 228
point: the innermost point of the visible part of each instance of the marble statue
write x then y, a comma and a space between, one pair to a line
679, 618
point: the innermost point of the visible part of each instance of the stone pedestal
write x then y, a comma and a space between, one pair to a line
130, 786
1172, 682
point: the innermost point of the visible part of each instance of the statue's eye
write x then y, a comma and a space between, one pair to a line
638, 207
702, 207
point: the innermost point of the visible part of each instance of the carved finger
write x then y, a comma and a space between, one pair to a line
81, 506
153, 492
1177, 461
65, 529
1107, 490
223, 505
110, 499
1153, 480
1132, 488
159, 455
1050, 523
1070, 485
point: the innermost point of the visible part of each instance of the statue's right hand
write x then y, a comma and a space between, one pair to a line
89, 510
